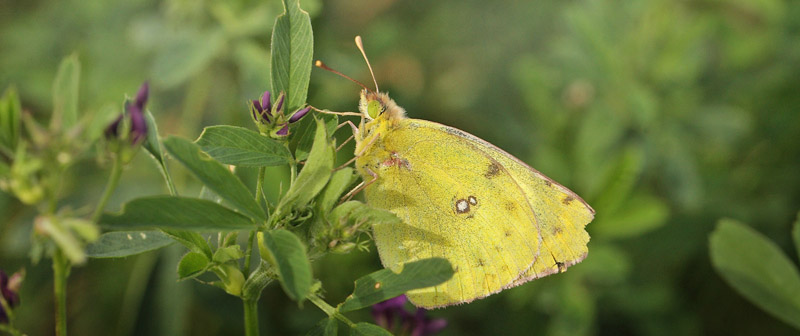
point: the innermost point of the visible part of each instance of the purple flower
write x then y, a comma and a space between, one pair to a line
271, 119
138, 125
299, 114
388, 312
423, 325
262, 108
8, 290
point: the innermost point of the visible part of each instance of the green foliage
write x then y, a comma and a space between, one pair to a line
662, 115
242, 147
287, 255
325, 327
191, 265
368, 329
65, 94
305, 131
292, 52
10, 111
384, 284
214, 176
120, 244
757, 269
314, 176
171, 212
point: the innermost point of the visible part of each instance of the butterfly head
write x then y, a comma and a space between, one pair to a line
374, 105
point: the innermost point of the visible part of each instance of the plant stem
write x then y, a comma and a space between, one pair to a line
249, 250
60, 274
248, 253
260, 183
250, 317
113, 179
329, 310
293, 170
10, 330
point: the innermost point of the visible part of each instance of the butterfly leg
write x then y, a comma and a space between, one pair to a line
359, 187
355, 132
361, 152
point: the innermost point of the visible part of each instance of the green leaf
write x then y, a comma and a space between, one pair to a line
153, 146
620, 180
757, 269
192, 240
384, 284
313, 177
303, 137
340, 181
65, 94
184, 55
228, 253
176, 213
151, 143
126, 243
192, 265
292, 52
215, 176
325, 327
795, 234
368, 329
10, 110
242, 147
287, 254
638, 215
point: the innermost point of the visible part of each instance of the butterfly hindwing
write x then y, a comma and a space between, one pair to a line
561, 214
483, 226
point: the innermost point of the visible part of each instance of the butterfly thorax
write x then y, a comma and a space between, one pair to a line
381, 116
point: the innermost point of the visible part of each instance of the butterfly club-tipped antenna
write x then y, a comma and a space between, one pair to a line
360, 45
321, 65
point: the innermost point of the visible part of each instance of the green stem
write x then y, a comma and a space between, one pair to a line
260, 183
293, 170
249, 250
248, 253
60, 274
113, 179
329, 310
10, 330
250, 317
170, 185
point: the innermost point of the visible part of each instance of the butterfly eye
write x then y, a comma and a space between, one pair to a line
374, 109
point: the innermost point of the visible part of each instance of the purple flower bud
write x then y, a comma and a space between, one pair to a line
135, 112
284, 131
256, 107
141, 96
279, 104
112, 130
265, 102
299, 114
138, 124
9, 294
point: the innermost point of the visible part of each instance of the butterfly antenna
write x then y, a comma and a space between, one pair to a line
321, 65
360, 46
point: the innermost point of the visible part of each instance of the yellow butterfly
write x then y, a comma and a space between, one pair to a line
498, 221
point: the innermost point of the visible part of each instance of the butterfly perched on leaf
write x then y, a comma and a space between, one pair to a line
499, 222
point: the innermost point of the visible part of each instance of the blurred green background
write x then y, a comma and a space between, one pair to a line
664, 115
